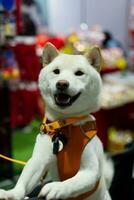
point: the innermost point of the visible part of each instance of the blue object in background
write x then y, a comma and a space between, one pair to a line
8, 5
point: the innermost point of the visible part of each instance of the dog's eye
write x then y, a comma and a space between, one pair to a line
79, 73
56, 71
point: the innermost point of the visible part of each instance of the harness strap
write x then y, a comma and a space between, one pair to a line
49, 128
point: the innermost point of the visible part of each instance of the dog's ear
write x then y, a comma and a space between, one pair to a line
94, 57
49, 53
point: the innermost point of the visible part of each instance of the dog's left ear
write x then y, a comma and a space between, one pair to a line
49, 53
94, 57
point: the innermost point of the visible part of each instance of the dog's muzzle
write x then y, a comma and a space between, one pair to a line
64, 100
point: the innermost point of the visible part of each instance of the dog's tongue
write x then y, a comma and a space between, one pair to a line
63, 98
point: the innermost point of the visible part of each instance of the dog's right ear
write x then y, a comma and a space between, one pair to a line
49, 53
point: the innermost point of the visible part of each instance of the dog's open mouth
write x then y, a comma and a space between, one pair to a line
63, 100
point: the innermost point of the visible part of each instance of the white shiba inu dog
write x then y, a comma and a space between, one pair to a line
71, 88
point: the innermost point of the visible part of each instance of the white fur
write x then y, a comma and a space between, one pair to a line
43, 159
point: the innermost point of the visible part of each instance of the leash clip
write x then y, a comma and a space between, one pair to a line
59, 141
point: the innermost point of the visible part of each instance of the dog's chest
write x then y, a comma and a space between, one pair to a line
69, 158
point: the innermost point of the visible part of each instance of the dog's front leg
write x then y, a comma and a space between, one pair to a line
34, 169
83, 181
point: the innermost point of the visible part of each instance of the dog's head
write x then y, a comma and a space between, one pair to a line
71, 84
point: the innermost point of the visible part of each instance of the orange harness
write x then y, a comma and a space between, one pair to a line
69, 157
77, 137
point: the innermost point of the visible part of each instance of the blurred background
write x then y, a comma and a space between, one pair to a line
72, 26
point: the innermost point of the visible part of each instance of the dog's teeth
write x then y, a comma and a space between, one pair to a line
67, 100
57, 99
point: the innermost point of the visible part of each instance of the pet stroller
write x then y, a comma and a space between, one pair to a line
122, 187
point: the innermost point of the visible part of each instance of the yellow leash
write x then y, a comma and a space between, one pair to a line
13, 160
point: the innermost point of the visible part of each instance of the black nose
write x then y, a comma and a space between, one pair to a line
62, 85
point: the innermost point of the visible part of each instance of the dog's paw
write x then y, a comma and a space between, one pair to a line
5, 195
55, 190
10, 195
